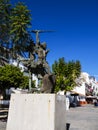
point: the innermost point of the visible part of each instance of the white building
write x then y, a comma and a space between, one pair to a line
24, 69
87, 85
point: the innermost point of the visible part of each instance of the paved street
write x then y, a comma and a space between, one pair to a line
79, 118
83, 118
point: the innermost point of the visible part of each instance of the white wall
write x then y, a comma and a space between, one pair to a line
80, 89
37, 112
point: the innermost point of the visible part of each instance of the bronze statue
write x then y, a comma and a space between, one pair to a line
37, 64
48, 83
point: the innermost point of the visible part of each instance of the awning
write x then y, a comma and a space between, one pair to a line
76, 93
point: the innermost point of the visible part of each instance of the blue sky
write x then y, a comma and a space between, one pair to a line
75, 25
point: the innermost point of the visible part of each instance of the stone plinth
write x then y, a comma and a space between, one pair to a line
37, 112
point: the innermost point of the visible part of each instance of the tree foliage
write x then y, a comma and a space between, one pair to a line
5, 11
14, 26
66, 74
15, 39
11, 76
20, 23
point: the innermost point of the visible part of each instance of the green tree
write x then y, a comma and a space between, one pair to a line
20, 23
5, 12
11, 76
15, 22
66, 74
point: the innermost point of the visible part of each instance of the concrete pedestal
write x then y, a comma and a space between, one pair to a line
37, 112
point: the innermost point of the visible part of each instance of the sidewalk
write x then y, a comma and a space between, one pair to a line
83, 118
